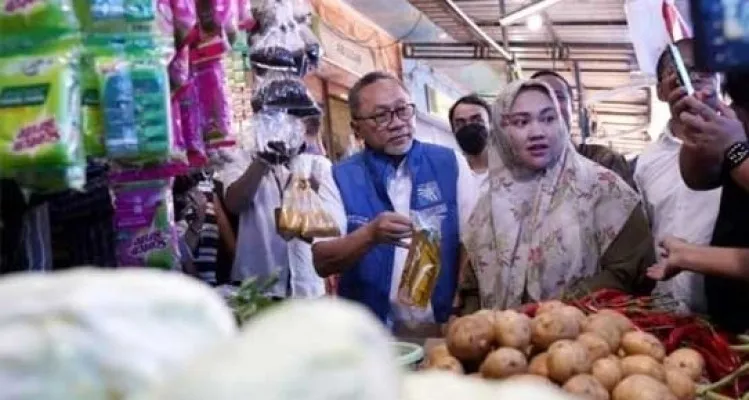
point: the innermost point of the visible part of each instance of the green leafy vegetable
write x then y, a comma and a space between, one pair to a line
249, 300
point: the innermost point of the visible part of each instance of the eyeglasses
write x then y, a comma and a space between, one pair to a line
404, 113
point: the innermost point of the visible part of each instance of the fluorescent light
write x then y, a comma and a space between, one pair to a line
443, 36
535, 22
527, 11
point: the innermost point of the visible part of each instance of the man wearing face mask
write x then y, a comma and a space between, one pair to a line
377, 192
469, 120
601, 155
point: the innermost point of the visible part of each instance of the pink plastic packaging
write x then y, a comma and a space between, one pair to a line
185, 22
214, 102
179, 68
245, 20
190, 115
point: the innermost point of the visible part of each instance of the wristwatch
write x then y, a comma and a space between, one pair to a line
736, 154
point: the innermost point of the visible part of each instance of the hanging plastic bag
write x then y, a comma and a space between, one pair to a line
283, 92
278, 136
312, 51
302, 213
215, 103
187, 97
272, 12
245, 19
40, 110
92, 119
277, 48
422, 268
134, 89
21, 17
185, 22
144, 222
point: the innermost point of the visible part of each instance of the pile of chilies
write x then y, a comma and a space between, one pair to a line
727, 366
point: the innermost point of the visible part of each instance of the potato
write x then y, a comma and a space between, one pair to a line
620, 320
560, 343
636, 342
641, 387
539, 366
446, 363
643, 365
470, 338
681, 385
504, 362
586, 387
488, 314
574, 314
551, 305
437, 352
551, 326
512, 329
567, 361
597, 346
608, 371
688, 361
603, 326
530, 377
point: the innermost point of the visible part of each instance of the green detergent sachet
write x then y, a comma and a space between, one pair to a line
40, 109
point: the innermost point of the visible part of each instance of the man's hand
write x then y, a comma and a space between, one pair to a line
390, 227
672, 251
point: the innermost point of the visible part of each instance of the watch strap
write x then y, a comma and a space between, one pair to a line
735, 155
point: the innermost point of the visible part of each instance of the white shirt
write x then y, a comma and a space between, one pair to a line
674, 209
260, 251
399, 191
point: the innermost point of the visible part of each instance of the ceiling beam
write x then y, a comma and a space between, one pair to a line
496, 24
480, 34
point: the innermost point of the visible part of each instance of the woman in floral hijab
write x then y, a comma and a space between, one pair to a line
553, 223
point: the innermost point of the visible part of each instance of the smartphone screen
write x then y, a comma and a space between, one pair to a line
681, 71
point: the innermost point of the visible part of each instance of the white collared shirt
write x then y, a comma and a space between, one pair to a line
260, 251
674, 209
399, 189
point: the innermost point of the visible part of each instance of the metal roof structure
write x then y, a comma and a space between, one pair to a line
585, 38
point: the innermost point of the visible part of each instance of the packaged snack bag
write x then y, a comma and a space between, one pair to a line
187, 97
151, 17
422, 269
144, 222
134, 90
92, 119
22, 17
40, 110
279, 91
185, 22
214, 103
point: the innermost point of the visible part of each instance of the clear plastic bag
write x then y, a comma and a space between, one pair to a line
302, 11
272, 12
422, 268
312, 51
277, 48
283, 92
302, 213
278, 136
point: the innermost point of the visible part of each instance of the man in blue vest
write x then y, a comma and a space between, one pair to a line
378, 190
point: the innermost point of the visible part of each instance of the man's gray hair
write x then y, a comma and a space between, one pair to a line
354, 94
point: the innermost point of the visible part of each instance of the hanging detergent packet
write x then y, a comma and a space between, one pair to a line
24, 17
144, 222
148, 17
134, 92
185, 18
214, 102
40, 110
92, 117
422, 268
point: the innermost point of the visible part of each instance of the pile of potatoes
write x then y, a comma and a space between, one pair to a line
599, 357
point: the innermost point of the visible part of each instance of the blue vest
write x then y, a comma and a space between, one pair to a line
362, 180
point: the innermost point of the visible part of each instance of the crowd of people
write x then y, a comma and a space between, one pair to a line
526, 214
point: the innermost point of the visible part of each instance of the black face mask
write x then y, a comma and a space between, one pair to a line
472, 138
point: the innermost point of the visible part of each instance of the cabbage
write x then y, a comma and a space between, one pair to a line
91, 334
322, 349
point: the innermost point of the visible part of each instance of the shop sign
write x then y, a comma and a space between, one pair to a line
354, 57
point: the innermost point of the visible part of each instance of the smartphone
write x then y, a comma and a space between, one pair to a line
681, 71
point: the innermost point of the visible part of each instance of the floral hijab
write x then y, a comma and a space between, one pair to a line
547, 229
